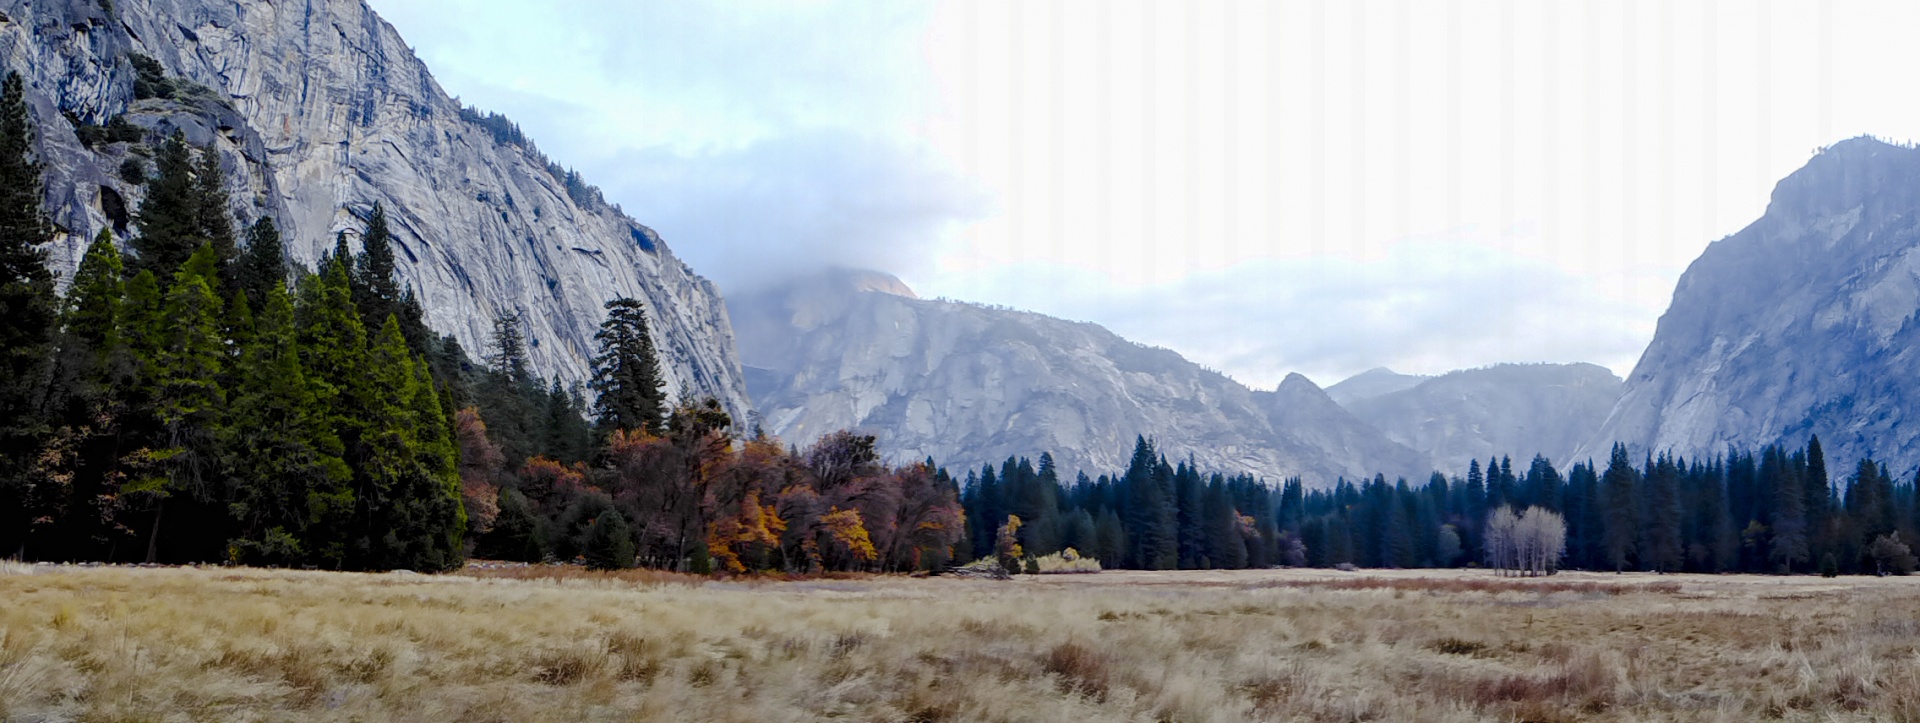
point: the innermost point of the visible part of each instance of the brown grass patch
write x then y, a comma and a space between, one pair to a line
555, 643
1489, 585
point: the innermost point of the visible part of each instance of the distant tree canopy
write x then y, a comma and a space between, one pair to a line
1773, 513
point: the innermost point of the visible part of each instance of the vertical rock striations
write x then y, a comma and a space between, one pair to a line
1802, 323
319, 110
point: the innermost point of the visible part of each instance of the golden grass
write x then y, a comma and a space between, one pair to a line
533, 644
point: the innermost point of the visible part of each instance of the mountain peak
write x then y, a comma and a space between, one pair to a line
1297, 383
870, 280
1839, 177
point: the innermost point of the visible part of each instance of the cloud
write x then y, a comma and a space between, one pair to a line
646, 73
793, 203
760, 138
1420, 308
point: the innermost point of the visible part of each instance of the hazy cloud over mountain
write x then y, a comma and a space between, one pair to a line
1264, 186
1422, 307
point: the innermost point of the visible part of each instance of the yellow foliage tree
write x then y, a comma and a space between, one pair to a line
756, 524
846, 528
1006, 544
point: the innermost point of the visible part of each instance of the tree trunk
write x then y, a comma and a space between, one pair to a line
153, 537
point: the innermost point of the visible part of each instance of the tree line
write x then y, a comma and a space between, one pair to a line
198, 399
1774, 512
1157, 515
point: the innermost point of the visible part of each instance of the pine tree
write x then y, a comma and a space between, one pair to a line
609, 543
188, 400
626, 373
375, 290
1620, 499
567, 434
511, 399
1789, 545
213, 225
284, 456
27, 312
262, 266
1660, 547
169, 217
409, 510
332, 348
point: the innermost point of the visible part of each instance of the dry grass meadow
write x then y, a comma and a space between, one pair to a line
543, 645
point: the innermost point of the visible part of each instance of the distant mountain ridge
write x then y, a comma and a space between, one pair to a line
970, 385
1372, 383
1504, 409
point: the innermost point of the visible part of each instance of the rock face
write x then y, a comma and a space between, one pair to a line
1802, 323
1507, 409
319, 110
969, 385
1372, 383
1308, 423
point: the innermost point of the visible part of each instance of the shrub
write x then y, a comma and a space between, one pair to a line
1891, 556
1081, 669
1829, 567
119, 130
1456, 646
150, 78
1067, 561
609, 543
133, 171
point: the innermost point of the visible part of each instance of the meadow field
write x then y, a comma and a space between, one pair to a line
561, 644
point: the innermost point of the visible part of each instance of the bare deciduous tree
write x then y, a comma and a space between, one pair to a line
1530, 543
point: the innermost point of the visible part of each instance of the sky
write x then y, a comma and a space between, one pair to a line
1265, 186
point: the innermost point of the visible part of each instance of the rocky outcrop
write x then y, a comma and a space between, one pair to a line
1308, 423
1507, 409
968, 385
1802, 323
319, 110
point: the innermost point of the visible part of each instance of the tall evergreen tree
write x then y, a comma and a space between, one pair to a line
89, 402
213, 224
567, 436
626, 373
27, 311
284, 455
169, 217
375, 290
262, 265
332, 346
188, 398
1620, 498
1789, 518
408, 511
1660, 547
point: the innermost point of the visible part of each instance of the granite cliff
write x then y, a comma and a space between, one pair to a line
319, 110
1802, 323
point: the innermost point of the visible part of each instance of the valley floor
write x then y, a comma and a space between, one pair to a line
519, 645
